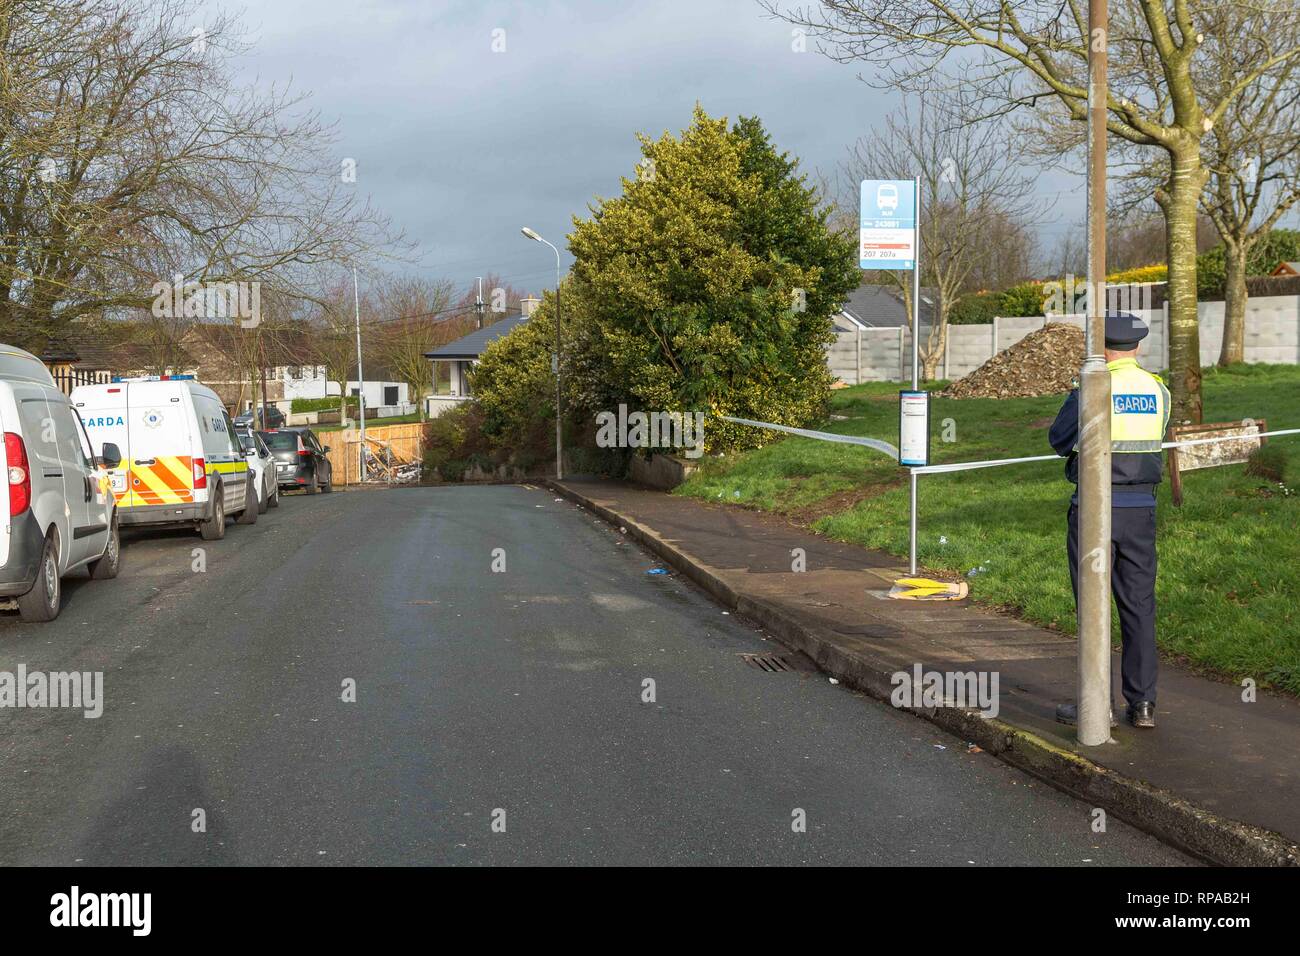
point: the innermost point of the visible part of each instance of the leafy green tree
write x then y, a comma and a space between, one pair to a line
514, 385
712, 279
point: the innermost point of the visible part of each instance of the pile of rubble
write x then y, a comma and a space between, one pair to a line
1045, 362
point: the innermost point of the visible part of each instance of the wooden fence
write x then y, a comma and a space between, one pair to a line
404, 443
67, 378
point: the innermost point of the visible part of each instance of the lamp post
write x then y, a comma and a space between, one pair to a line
361, 377
559, 464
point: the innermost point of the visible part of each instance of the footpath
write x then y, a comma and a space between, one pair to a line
1218, 777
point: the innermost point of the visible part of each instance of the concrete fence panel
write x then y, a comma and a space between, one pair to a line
1272, 335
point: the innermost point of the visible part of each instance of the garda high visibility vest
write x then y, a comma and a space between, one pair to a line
1139, 409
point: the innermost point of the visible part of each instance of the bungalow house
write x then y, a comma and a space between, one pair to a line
384, 396
868, 307
70, 366
293, 370
882, 307
453, 361
88, 356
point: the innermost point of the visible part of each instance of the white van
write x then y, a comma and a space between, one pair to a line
56, 503
181, 460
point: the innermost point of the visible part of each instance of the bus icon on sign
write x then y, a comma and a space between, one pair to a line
887, 199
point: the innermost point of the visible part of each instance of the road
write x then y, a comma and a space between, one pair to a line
476, 691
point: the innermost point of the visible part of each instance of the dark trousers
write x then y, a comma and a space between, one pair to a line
1133, 582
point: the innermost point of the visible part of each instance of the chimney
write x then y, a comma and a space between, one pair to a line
528, 305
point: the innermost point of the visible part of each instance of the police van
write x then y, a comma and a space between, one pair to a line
57, 512
182, 462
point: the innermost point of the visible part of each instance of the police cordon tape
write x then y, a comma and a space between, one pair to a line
892, 452
875, 443
970, 465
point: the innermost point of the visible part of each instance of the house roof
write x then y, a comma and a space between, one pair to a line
473, 345
96, 348
1287, 269
880, 306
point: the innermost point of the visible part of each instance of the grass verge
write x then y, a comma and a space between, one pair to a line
1229, 558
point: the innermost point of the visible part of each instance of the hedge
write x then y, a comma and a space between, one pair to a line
328, 404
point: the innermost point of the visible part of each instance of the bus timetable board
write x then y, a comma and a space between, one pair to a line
913, 428
887, 234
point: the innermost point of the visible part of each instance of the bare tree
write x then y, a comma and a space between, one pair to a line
1253, 153
417, 316
1004, 255
333, 320
1033, 54
971, 189
129, 157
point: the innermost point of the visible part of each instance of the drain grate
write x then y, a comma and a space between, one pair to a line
772, 663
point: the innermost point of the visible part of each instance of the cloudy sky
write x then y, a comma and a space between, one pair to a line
461, 145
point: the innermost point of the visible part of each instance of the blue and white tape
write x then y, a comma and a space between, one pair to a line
892, 452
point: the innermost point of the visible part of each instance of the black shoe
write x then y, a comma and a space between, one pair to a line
1069, 714
1142, 714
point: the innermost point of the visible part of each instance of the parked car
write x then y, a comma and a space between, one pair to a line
262, 465
274, 418
57, 503
302, 461
183, 463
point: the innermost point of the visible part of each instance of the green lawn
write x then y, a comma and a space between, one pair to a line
1229, 578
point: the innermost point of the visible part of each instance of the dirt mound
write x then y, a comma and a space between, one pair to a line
1045, 362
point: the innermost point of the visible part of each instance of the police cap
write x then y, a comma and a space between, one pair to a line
1124, 331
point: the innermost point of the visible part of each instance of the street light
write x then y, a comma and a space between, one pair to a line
559, 465
361, 378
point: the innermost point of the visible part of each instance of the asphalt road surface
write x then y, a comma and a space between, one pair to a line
511, 697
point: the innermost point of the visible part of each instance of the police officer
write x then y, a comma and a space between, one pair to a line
1138, 417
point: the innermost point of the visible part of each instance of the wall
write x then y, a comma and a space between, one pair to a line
309, 383
1272, 335
374, 392
435, 405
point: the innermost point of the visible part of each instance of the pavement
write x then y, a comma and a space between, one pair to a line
1215, 776
518, 697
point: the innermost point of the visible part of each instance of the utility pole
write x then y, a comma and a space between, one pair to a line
479, 308
1094, 419
361, 378
265, 420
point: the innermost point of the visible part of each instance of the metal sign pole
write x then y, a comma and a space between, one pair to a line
916, 357
889, 238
